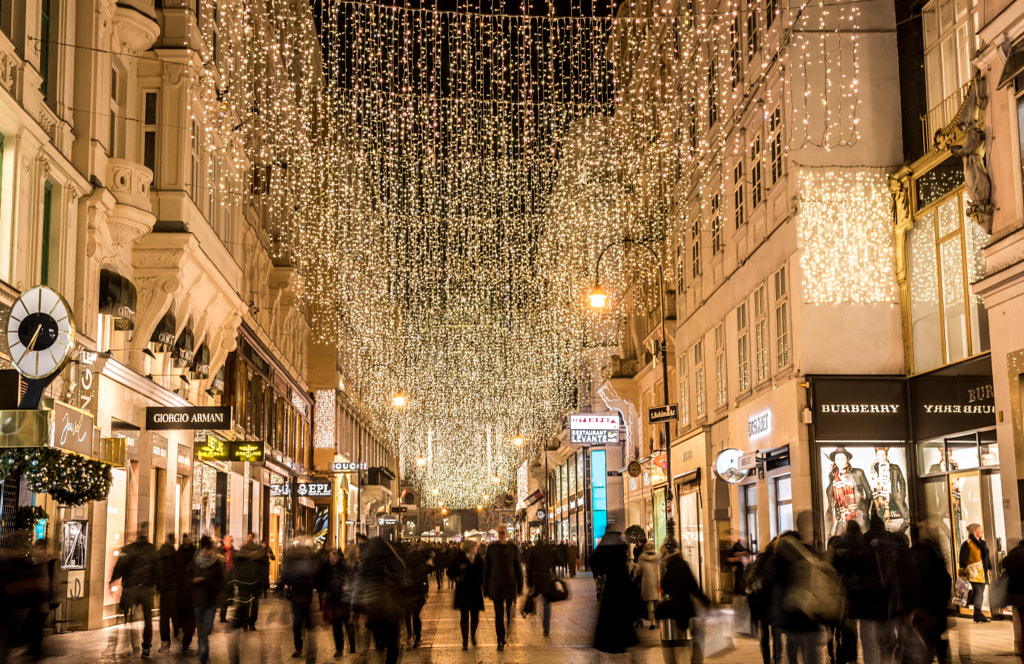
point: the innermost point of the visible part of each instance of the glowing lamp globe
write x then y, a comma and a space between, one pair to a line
399, 400
598, 297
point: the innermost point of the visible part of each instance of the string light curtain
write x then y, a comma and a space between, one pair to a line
443, 176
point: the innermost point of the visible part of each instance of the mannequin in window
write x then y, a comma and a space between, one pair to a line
889, 490
848, 492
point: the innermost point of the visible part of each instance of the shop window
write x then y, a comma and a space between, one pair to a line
750, 526
784, 503
721, 376
859, 479
761, 332
781, 318
742, 348
698, 378
948, 321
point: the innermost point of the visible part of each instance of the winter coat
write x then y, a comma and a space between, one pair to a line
503, 572
1013, 566
298, 574
647, 573
380, 582
932, 584
975, 563
469, 581
679, 584
614, 632
418, 574
335, 586
540, 569
169, 570
788, 573
136, 565
248, 574
878, 579
759, 584
207, 574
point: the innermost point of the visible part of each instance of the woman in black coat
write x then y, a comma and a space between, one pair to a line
680, 587
467, 569
337, 604
614, 631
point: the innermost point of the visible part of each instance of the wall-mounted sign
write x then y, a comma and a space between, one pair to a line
213, 449
73, 429
760, 425
748, 461
727, 466
282, 490
191, 417
595, 430
251, 451
74, 544
387, 520
347, 466
314, 489
848, 409
667, 413
948, 404
634, 469
541, 514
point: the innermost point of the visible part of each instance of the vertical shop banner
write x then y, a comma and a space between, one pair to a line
599, 493
858, 480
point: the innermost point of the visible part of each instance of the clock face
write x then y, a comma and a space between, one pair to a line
40, 332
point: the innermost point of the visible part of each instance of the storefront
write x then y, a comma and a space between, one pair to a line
690, 487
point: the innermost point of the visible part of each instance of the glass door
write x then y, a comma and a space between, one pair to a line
692, 533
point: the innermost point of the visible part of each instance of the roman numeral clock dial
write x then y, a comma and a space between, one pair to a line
40, 333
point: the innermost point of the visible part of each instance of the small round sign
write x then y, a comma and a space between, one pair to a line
634, 469
727, 466
541, 514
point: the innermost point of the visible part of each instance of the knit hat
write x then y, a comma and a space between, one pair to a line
972, 528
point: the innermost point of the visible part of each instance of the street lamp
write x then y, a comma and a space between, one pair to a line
598, 299
399, 400
518, 441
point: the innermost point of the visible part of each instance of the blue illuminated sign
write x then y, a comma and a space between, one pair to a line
599, 493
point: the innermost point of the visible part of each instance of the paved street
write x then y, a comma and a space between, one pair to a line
571, 634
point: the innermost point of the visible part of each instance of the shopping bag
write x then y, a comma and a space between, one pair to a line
961, 592
741, 623
713, 633
998, 591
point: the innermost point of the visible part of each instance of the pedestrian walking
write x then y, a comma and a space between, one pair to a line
440, 562
540, 577
136, 569
562, 557
378, 592
759, 598
792, 579
337, 602
503, 581
298, 575
573, 558
680, 588
467, 570
43, 599
647, 573
976, 566
169, 574
610, 561
1013, 568
268, 557
416, 591
932, 591
207, 573
842, 635
227, 553
186, 553
248, 584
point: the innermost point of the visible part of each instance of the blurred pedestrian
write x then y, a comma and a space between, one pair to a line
337, 602
207, 573
503, 580
227, 553
417, 589
298, 575
638, 548
842, 635
136, 568
976, 566
610, 561
440, 562
169, 573
185, 610
791, 577
256, 577
573, 558
879, 587
680, 588
562, 557
379, 583
737, 558
267, 557
932, 591
43, 598
759, 598
540, 577
248, 584
467, 571
20, 585
646, 573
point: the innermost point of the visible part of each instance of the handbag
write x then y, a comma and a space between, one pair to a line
961, 592
666, 609
713, 631
559, 592
530, 605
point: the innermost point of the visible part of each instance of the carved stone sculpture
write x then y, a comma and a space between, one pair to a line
972, 152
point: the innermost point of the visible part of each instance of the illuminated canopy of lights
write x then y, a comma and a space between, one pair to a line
443, 178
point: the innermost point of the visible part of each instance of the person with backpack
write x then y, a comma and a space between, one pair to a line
759, 598
842, 635
807, 591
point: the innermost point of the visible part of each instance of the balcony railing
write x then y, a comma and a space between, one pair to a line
945, 112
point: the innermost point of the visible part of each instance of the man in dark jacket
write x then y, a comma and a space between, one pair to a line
185, 610
540, 577
418, 577
790, 576
842, 636
207, 573
681, 587
168, 581
380, 580
879, 587
136, 568
298, 574
227, 554
932, 584
503, 580
248, 584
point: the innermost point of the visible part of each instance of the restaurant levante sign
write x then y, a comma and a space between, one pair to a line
192, 417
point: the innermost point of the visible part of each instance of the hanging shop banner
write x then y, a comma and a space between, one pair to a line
251, 451
347, 466
850, 409
949, 404
314, 489
213, 449
859, 478
595, 430
282, 490
190, 417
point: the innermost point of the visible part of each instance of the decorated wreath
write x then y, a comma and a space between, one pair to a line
70, 479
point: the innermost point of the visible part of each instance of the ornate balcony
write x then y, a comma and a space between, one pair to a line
129, 183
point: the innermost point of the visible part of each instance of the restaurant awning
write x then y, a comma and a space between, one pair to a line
118, 299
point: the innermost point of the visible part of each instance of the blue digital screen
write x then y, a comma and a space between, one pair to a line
599, 493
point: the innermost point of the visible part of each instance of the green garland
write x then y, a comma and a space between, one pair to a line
70, 479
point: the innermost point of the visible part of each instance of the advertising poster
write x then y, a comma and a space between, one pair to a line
859, 480
74, 537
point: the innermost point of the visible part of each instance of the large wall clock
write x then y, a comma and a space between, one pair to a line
40, 333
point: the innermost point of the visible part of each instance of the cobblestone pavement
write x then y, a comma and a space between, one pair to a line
572, 628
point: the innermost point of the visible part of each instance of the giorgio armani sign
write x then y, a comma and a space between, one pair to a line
195, 417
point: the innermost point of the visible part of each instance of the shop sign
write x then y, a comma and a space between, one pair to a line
190, 417
314, 489
760, 425
748, 461
251, 451
947, 404
658, 414
213, 448
727, 466
387, 520
634, 469
282, 490
81, 384
73, 429
594, 430
853, 409
347, 466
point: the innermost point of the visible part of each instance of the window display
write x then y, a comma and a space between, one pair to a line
861, 480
